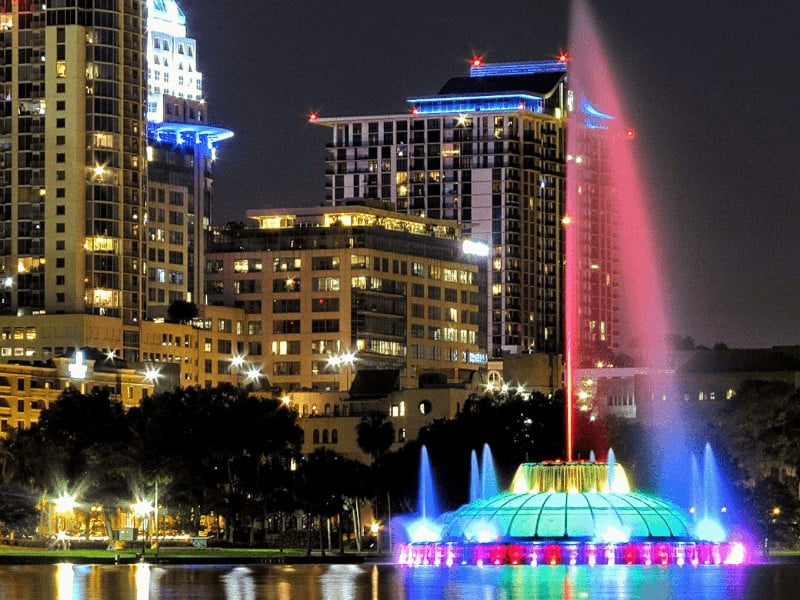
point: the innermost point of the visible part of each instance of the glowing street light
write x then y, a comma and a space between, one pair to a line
253, 374
346, 359
237, 361
142, 509
152, 373
65, 503
62, 506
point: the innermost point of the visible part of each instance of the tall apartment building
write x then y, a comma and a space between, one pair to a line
595, 223
75, 154
72, 137
489, 152
317, 284
182, 145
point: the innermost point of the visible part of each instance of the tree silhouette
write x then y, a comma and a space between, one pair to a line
375, 434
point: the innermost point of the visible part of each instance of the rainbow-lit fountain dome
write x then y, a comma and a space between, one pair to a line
565, 513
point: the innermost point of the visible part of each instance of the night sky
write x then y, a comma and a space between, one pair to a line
711, 87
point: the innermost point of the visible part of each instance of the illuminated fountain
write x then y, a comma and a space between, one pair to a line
565, 513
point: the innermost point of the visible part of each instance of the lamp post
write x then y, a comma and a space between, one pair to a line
142, 509
253, 375
151, 376
64, 504
340, 361
237, 362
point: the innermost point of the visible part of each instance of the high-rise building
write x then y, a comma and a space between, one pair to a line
595, 225
489, 152
76, 151
182, 146
73, 173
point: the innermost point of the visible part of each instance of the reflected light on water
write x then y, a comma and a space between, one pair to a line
142, 578
65, 579
284, 590
390, 582
239, 584
340, 582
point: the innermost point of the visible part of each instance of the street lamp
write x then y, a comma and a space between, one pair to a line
237, 362
142, 509
152, 374
63, 505
254, 375
375, 529
346, 359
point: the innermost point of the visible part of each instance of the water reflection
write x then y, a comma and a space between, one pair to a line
340, 581
142, 579
386, 582
65, 578
239, 584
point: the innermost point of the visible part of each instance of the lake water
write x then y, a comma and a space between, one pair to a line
385, 582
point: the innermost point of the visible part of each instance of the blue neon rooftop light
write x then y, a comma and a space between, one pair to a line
476, 103
194, 134
518, 68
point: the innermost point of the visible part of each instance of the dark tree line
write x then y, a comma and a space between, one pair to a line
212, 451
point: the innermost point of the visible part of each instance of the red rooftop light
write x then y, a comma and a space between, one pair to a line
477, 61
630, 134
563, 57
313, 116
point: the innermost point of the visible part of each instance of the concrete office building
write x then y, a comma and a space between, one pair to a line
325, 286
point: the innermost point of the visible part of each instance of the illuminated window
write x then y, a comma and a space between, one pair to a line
61, 69
103, 140
325, 284
286, 264
359, 262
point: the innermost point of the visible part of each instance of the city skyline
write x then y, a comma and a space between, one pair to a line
709, 160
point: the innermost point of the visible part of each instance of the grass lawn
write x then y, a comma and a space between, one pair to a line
169, 552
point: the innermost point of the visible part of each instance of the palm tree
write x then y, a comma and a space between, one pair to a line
375, 434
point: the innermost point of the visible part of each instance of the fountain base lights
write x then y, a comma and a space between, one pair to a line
577, 513
555, 552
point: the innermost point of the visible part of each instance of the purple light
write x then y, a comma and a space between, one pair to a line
662, 553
